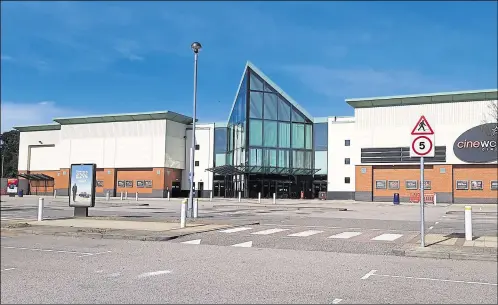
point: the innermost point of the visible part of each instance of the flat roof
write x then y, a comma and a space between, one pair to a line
428, 98
126, 117
43, 127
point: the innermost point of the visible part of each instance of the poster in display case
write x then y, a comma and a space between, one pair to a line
380, 184
462, 185
393, 184
476, 185
411, 184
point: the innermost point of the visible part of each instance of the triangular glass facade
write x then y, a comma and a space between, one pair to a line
265, 130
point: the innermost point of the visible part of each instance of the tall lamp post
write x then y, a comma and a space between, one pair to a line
196, 47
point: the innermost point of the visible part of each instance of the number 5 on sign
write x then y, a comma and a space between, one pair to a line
422, 146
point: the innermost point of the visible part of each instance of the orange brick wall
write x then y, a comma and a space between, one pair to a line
106, 175
485, 173
363, 182
440, 182
138, 174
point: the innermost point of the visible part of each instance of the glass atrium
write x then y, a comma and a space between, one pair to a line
267, 145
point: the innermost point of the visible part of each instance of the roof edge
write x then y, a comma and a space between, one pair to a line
41, 127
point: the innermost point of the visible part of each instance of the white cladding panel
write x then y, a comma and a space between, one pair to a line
120, 144
175, 145
339, 132
204, 137
391, 126
29, 141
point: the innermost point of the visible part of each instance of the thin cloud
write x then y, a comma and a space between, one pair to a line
367, 82
26, 113
6, 58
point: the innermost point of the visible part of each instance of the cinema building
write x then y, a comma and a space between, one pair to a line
271, 144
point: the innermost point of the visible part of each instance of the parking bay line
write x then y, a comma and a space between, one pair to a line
374, 273
81, 254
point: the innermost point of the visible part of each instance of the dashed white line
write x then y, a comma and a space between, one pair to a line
192, 242
154, 273
336, 301
305, 233
387, 237
235, 230
269, 231
369, 274
8, 269
345, 235
431, 227
82, 254
244, 245
428, 279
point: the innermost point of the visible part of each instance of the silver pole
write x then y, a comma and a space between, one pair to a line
422, 207
2, 163
192, 149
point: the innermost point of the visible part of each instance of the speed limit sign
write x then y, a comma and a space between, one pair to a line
422, 146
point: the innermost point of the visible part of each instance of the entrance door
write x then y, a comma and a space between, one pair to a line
200, 188
176, 189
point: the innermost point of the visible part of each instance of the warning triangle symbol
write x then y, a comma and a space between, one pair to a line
422, 127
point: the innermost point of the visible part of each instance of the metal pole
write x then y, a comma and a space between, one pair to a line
468, 222
2, 162
422, 207
192, 149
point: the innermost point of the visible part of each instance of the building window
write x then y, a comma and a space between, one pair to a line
197, 146
347, 161
347, 180
196, 163
347, 143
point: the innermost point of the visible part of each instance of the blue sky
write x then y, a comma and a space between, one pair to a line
78, 58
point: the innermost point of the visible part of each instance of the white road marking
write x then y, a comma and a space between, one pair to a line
345, 235
99, 271
305, 233
154, 273
233, 230
269, 231
244, 245
115, 274
192, 242
82, 254
387, 237
8, 269
437, 222
431, 227
433, 279
336, 301
369, 274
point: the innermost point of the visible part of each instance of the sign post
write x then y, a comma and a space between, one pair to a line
423, 145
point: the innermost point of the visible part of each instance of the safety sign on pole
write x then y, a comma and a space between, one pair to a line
422, 145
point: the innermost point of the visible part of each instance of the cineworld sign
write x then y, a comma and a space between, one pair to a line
478, 144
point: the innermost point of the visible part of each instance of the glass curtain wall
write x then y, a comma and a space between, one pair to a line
279, 137
320, 145
220, 159
236, 139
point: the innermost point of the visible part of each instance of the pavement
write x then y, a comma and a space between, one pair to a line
63, 270
312, 225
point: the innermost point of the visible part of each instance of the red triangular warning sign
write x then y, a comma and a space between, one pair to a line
422, 127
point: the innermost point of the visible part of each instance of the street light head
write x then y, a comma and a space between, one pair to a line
196, 46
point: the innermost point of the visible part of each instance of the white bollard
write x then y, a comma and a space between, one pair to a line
196, 207
211, 196
107, 196
259, 197
468, 222
168, 196
136, 196
183, 213
40, 209
240, 196
435, 199
126, 195
55, 193
274, 198
121, 195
